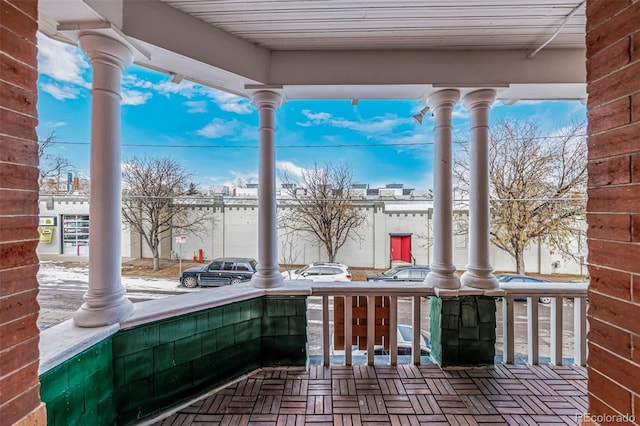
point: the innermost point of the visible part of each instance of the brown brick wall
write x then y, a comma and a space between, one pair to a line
613, 78
19, 385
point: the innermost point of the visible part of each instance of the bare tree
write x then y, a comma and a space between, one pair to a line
322, 207
538, 187
289, 252
155, 203
52, 167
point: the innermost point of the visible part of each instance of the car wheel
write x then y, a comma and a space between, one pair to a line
236, 281
190, 282
545, 300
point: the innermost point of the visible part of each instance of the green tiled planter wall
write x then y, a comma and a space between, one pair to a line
141, 371
284, 331
164, 363
463, 330
80, 391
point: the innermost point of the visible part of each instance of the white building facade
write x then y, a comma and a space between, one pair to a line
398, 229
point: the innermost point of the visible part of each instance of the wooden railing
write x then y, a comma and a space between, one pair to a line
393, 290
556, 291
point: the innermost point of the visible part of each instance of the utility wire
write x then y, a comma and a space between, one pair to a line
355, 145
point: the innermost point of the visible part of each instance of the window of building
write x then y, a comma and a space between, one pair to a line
75, 234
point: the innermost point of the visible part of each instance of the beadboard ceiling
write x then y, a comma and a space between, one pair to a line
393, 24
346, 49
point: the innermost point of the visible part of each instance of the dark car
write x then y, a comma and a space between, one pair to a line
401, 273
222, 271
515, 278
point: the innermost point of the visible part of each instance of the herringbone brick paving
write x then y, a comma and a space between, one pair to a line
364, 395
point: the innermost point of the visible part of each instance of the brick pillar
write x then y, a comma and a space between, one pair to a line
19, 384
613, 209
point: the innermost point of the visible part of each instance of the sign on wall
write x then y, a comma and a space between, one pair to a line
47, 221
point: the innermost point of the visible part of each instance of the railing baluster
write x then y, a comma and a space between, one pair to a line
555, 291
393, 330
533, 330
415, 351
507, 330
371, 328
325, 331
348, 329
580, 331
556, 330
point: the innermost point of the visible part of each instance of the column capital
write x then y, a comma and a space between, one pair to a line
480, 98
98, 46
267, 99
444, 98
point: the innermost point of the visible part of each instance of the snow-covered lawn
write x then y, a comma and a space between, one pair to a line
52, 273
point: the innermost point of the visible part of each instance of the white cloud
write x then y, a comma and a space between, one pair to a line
195, 107
459, 111
61, 62
236, 179
135, 97
218, 128
317, 116
376, 125
60, 92
238, 108
55, 124
184, 88
290, 168
231, 103
188, 89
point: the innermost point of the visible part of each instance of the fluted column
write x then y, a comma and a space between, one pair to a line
267, 275
479, 272
443, 271
105, 302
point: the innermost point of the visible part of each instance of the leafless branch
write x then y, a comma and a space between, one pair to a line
323, 207
533, 180
152, 186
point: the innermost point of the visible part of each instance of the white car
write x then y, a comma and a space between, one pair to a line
405, 343
320, 272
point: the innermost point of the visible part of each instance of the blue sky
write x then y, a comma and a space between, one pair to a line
214, 134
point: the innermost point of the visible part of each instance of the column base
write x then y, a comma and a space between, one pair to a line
463, 330
483, 280
90, 317
447, 280
267, 281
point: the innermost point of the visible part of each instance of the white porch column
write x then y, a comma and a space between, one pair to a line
104, 302
479, 272
267, 275
443, 271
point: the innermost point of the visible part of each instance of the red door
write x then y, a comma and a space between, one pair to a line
401, 248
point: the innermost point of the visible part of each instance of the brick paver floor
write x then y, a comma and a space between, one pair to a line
400, 395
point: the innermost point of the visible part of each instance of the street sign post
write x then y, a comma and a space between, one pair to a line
180, 240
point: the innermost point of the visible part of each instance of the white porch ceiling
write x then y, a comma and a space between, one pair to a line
347, 49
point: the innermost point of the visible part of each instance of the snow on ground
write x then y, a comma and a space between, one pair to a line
50, 273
